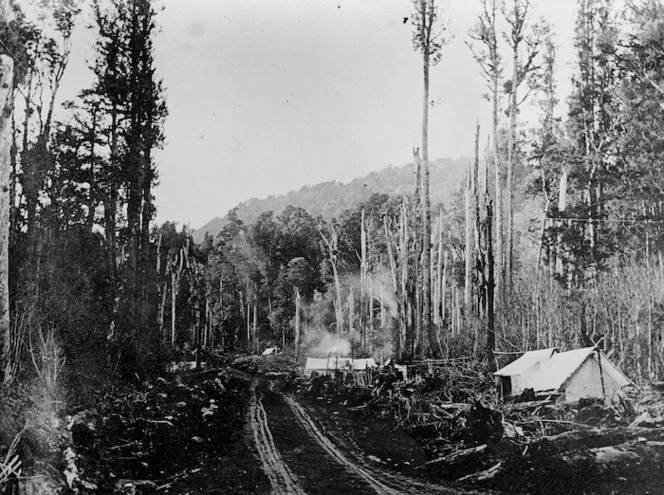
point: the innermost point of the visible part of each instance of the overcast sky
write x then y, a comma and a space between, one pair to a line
266, 96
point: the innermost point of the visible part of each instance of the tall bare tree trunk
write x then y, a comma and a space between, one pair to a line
438, 292
382, 306
255, 321
6, 110
248, 319
176, 265
443, 289
511, 162
351, 311
369, 337
490, 296
498, 206
338, 305
197, 329
468, 251
403, 248
297, 323
426, 218
471, 206
365, 299
418, 237
174, 296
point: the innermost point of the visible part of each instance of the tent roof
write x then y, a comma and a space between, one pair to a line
553, 373
526, 361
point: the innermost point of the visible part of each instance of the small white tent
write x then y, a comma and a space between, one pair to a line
325, 365
574, 374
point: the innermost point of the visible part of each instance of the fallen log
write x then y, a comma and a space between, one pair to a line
458, 456
646, 420
460, 462
525, 406
596, 437
482, 476
452, 405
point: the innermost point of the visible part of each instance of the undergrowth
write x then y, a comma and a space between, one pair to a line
32, 433
156, 433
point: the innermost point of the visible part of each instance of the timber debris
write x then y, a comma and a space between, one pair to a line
527, 444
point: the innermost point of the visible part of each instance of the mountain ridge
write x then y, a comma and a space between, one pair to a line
329, 199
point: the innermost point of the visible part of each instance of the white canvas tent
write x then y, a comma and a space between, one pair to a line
325, 365
574, 374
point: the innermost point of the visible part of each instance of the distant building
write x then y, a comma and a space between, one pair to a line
574, 375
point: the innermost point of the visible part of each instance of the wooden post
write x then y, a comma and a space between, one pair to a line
6, 82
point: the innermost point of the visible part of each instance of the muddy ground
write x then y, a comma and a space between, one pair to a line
244, 428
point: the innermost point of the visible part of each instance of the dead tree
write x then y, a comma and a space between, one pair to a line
485, 274
471, 194
519, 35
6, 108
175, 267
427, 39
364, 271
298, 304
332, 246
488, 57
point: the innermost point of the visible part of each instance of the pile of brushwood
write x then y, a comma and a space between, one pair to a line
143, 440
266, 366
531, 445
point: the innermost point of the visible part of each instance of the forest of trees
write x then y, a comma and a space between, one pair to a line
542, 245
80, 201
554, 239
583, 265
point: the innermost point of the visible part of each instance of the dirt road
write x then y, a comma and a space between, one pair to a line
300, 453
281, 478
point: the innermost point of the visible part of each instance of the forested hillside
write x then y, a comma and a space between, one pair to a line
330, 199
549, 238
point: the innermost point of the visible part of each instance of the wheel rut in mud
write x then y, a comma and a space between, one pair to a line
281, 477
300, 456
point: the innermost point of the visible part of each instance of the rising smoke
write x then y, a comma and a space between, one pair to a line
320, 343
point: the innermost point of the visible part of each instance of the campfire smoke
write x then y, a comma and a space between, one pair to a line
320, 343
